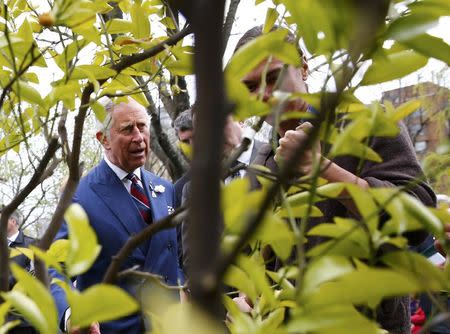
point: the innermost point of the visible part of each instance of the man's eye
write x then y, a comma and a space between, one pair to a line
127, 129
251, 87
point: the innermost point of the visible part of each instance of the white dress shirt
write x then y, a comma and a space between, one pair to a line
13, 238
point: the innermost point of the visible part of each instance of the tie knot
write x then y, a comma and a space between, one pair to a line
133, 178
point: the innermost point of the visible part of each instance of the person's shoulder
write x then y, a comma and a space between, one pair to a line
28, 240
182, 180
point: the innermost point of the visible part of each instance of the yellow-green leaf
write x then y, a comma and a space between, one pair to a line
28, 93
251, 54
84, 247
100, 303
39, 297
324, 269
393, 66
119, 26
405, 110
141, 24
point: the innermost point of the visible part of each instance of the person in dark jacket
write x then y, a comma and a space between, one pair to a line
399, 166
17, 239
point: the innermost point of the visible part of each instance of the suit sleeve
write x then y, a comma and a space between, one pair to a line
57, 292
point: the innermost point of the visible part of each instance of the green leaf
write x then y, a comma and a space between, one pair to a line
65, 92
8, 326
241, 320
254, 52
84, 247
423, 215
344, 247
25, 32
346, 229
299, 212
276, 233
168, 22
64, 59
141, 24
237, 278
181, 66
271, 323
366, 206
29, 310
100, 303
271, 18
4, 308
331, 319
405, 110
409, 263
126, 84
319, 19
28, 93
92, 71
238, 204
393, 66
430, 46
57, 253
326, 191
324, 269
363, 287
21, 251
257, 273
399, 222
347, 144
119, 26
410, 26
38, 308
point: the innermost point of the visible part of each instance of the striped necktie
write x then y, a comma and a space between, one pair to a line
140, 198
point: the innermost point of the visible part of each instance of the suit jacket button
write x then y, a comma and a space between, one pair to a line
169, 246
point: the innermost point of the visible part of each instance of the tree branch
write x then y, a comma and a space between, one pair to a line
167, 222
13, 205
148, 53
229, 20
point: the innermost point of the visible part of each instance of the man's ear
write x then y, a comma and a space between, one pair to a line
103, 139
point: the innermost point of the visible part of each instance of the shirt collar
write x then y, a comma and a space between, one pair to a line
13, 238
121, 174
247, 154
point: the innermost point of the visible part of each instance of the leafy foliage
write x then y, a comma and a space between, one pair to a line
319, 288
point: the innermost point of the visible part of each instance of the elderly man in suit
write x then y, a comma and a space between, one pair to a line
121, 198
17, 239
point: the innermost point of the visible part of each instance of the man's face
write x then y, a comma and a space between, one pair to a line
186, 136
293, 81
128, 144
12, 227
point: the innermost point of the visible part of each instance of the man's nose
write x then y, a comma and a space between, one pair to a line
267, 94
137, 136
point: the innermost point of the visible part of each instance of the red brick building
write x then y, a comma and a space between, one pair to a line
429, 125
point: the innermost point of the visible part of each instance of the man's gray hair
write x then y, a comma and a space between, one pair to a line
183, 122
17, 216
105, 126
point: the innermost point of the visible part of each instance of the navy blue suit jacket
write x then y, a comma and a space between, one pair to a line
114, 217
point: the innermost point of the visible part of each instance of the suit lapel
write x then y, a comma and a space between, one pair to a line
158, 202
19, 240
115, 196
